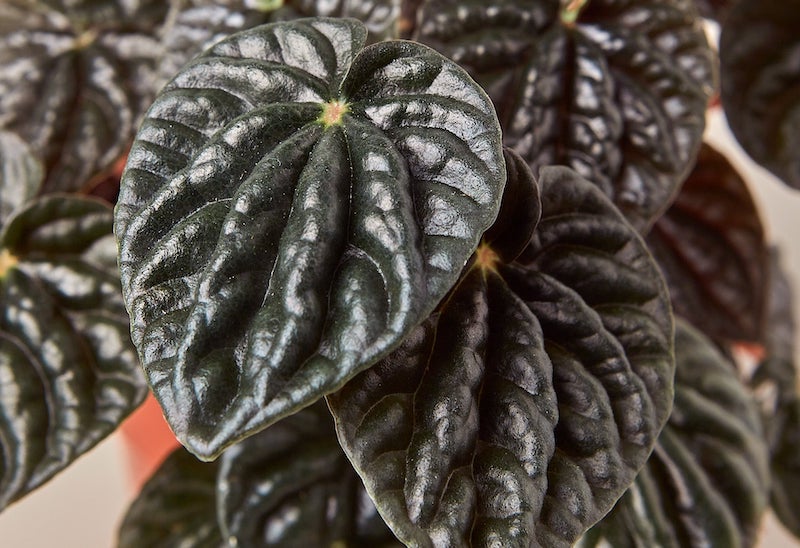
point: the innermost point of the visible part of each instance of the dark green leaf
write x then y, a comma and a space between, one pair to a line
75, 80
268, 256
619, 94
710, 246
519, 412
759, 48
176, 507
21, 174
291, 485
707, 482
70, 372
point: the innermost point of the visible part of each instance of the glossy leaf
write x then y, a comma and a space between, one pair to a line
176, 507
291, 485
759, 46
70, 372
711, 248
75, 80
619, 94
520, 412
707, 482
21, 174
293, 206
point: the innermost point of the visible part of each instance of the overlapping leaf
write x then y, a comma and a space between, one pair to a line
292, 207
176, 507
75, 78
519, 412
21, 174
707, 482
711, 248
70, 372
291, 485
619, 94
759, 47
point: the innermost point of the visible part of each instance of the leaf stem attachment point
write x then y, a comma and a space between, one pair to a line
332, 113
7, 262
486, 259
570, 10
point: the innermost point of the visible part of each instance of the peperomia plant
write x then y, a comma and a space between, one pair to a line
416, 272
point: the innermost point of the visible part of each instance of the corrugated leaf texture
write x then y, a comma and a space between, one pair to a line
21, 174
70, 371
292, 207
523, 408
617, 90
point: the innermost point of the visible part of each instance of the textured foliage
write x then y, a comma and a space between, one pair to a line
69, 371
21, 174
707, 482
75, 78
759, 49
618, 91
292, 207
519, 412
710, 246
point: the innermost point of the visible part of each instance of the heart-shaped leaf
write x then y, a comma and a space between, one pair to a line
291, 485
292, 207
75, 78
176, 507
520, 412
70, 372
759, 47
711, 248
707, 482
618, 91
21, 174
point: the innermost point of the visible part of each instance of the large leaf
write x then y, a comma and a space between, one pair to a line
70, 374
759, 47
292, 207
75, 78
21, 174
291, 485
707, 482
711, 248
520, 412
175, 508
617, 91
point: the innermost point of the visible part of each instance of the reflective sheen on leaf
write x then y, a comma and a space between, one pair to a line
21, 174
619, 95
292, 207
70, 372
707, 482
176, 507
759, 48
521, 410
711, 248
291, 485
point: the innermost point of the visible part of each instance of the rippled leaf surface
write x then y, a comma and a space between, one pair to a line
711, 248
291, 485
759, 47
619, 93
75, 79
70, 374
21, 174
521, 410
176, 507
293, 206
707, 482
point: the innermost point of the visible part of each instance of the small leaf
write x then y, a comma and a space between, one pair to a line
759, 47
707, 482
291, 485
711, 248
75, 80
617, 90
292, 207
21, 174
519, 412
176, 507
71, 374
